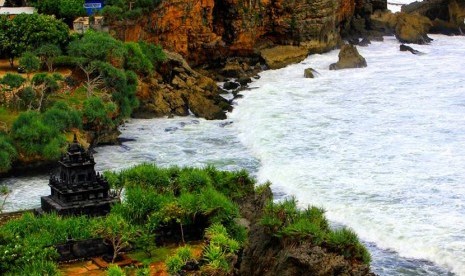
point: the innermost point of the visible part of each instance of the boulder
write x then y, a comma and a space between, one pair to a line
309, 73
244, 81
364, 42
230, 85
405, 48
413, 28
232, 69
349, 58
281, 56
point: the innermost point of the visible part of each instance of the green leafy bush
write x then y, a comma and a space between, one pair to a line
97, 114
114, 270
35, 138
174, 264
62, 116
346, 242
136, 60
7, 153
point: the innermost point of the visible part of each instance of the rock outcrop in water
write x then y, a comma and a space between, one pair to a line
447, 16
349, 58
408, 28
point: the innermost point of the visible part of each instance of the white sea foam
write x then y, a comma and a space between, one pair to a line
380, 148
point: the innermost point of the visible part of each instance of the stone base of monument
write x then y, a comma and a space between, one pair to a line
100, 207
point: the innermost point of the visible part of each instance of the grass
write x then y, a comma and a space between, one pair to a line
72, 98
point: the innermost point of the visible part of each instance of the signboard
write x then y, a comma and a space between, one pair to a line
92, 6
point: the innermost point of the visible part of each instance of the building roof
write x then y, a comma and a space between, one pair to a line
85, 20
15, 11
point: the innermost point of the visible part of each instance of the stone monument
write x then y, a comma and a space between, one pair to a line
77, 189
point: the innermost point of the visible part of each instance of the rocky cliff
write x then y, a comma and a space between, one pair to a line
205, 31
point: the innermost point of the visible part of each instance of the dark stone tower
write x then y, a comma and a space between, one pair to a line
77, 189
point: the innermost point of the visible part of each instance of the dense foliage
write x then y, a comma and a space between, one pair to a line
67, 10
27, 32
116, 10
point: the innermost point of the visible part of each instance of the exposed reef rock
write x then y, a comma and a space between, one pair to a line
349, 58
176, 88
447, 16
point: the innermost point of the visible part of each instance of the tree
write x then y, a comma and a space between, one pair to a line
6, 42
47, 53
136, 60
44, 84
117, 231
97, 114
10, 84
62, 9
29, 62
98, 46
26, 32
34, 138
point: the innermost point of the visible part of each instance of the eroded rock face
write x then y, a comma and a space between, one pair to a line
447, 16
413, 28
408, 28
349, 58
176, 88
208, 30
266, 255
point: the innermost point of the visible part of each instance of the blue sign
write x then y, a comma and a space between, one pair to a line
92, 6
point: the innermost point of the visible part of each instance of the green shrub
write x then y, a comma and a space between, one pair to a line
136, 60
33, 137
185, 253
97, 114
7, 153
346, 242
174, 264
192, 180
153, 52
147, 175
38, 268
217, 206
114, 270
62, 116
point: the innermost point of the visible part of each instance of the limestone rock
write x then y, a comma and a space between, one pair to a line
349, 58
211, 30
281, 56
447, 15
308, 73
405, 48
230, 85
176, 89
413, 28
